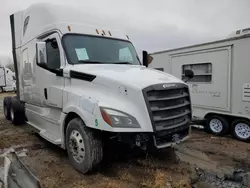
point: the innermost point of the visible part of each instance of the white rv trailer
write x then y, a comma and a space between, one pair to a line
79, 82
7, 80
220, 88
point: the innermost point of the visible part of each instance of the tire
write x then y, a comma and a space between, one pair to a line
17, 115
84, 147
1, 89
240, 129
217, 125
6, 107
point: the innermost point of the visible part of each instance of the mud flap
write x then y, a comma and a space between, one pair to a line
14, 174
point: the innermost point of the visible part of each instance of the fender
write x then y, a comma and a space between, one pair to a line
86, 117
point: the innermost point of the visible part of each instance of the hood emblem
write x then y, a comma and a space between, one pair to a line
168, 85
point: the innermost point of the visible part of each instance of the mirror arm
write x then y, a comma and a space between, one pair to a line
187, 80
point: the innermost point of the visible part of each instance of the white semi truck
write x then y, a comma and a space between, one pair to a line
79, 83
7, 80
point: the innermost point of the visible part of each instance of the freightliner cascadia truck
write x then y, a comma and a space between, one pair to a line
79, 83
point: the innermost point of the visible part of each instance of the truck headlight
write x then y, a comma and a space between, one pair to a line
119, 119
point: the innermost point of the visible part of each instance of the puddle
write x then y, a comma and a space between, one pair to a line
207, 171
195, 158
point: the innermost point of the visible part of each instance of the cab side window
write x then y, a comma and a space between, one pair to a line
53, 54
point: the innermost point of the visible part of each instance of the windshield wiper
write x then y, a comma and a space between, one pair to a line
128, 63
91, 62
99, 62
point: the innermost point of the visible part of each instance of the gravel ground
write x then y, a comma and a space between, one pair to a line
123, 167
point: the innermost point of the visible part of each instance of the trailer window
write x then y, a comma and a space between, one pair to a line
202, 72
25, 25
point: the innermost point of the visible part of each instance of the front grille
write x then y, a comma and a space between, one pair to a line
169, 107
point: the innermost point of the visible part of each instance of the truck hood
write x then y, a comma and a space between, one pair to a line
136, 76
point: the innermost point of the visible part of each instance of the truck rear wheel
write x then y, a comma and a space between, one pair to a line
84, 147
241, 130
6, 107
16, 112
217, 125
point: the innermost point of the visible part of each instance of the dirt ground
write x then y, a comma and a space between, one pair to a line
122, 167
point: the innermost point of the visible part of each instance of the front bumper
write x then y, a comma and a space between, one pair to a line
150, 140
173, 139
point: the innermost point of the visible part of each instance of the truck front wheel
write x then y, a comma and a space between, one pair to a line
84, 146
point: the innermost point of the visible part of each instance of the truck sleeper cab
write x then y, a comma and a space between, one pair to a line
78, 83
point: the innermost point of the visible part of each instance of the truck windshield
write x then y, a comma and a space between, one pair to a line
82, 49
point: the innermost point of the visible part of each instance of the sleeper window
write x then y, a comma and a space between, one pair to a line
53, 54
202, 72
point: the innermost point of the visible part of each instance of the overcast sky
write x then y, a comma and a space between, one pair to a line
151, 25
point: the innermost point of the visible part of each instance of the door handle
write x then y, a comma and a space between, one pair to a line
45, 93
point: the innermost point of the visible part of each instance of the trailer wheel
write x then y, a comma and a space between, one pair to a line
217, 125
241, 130
84, 147
16, 112
6, 107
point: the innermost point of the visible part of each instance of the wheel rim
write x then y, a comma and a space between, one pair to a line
242, 130
76, 146
216, 125
12, 114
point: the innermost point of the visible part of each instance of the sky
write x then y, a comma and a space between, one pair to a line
152, 25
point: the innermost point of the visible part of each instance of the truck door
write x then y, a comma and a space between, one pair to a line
50, 79
48, 91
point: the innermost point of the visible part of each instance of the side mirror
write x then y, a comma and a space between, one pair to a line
150, 59
41, 55
145, 58
189, 74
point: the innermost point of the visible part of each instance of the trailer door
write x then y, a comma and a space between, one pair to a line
210, 87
